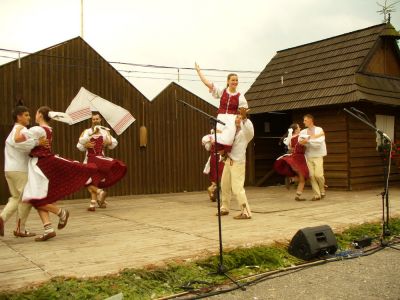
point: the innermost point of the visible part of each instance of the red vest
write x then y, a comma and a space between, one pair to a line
40, 151
229, 104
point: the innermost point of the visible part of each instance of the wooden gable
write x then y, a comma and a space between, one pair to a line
385, 59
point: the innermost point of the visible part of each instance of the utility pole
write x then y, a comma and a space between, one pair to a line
81, 18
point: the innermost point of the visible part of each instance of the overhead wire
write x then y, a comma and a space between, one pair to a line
131, 64
182, 76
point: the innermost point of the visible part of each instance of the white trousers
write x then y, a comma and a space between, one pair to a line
232, 184
16, 182
317, 179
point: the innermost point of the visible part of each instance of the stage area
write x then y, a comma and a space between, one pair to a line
135, 231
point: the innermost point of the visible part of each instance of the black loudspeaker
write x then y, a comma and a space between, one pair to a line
313, 242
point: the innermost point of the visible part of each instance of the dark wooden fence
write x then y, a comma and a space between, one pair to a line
173, 159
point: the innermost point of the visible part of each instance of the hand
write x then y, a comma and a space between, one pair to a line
197, 67
95, 131
44, 142
107, 142
89, 145
243, 112
303, 142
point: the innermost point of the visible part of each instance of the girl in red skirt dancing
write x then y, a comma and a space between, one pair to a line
294, 165
51, 177
110, 170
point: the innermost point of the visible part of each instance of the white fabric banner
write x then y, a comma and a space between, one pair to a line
85, 102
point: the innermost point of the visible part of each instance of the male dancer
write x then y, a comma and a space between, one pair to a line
93, 140
315, 152
233, 176
16, 172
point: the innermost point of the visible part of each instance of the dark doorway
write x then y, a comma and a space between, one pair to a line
269, 128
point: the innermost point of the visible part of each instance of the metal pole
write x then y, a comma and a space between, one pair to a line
81, 18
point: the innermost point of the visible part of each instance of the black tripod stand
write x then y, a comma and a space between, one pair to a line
213, 120
386, 169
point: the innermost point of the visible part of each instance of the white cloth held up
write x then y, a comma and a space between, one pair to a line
85, 102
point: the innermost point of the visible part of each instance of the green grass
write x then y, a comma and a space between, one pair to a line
156, 282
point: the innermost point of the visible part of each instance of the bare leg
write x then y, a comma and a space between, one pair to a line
93, 197
50, 208
61, 212
300, 188
48, 228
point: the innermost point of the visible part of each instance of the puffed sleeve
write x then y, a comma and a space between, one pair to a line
114, 143
243, 102
216, 92
27, 145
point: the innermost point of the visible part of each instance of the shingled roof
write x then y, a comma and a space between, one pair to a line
325, 72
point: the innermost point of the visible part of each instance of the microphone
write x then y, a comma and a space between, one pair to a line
384, 135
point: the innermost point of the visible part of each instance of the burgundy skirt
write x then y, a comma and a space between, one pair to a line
65, 177
110, 171
292, 165
213, 169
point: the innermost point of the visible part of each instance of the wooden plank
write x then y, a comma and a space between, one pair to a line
336, 148
335, 174
334, 158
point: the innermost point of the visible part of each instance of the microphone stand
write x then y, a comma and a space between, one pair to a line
386, 170
213, 120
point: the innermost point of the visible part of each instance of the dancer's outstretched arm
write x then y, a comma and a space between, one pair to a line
202, 78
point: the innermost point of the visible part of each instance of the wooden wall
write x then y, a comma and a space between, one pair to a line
366, 166
174, 158
352, 162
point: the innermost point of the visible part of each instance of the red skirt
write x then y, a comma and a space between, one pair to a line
110, 171
292, 165
213, 169
65, 177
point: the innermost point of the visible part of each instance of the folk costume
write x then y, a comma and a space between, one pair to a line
233, 177
210, 168
16, 172
110, 170
315, 152
290, 165
227, 111
51, 177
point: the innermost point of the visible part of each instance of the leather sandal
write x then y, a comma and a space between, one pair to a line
45, 236
101, 201
297, 198
24, 233
242, 217
91, 208
315, 198
63, 221
223, 213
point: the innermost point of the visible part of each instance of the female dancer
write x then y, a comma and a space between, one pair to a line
231, 101
294, 164
110, 170
51, 177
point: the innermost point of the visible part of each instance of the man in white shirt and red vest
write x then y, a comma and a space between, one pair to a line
16, 172
233, 176
315, 152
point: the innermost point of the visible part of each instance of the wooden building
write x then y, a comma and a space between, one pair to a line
173, 159
359, 69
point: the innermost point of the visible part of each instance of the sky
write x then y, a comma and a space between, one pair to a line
218, 34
